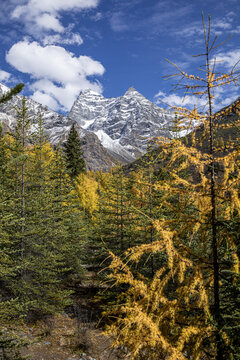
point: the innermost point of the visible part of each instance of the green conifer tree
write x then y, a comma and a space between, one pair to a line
41, 224
74, 155
12, 92
9, 345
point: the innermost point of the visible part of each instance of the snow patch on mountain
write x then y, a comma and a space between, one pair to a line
123, 124
118, 127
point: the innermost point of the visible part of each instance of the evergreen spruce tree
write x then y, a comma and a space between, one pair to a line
12, 92
74, 155
113, 216
41, 226
9, 345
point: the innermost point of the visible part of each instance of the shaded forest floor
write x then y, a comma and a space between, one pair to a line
63, 338
74, 335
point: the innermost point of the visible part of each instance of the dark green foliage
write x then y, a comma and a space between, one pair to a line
112, 232
40, 226
230, 291
230, 308
14, 91
10, 346
74, 155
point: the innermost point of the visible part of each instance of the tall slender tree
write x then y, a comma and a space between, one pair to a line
74, 155
180, 313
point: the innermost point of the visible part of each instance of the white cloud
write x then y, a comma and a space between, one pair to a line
218, 27
43, 15
49, 22
176, 100
67, 93
51, 65
72, 39
52, 62
45, 99
52, 6
4, 76
236, 30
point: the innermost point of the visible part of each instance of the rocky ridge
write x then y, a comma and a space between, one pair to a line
112, 130
124, 124
57, 127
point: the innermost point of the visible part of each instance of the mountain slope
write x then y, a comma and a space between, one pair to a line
57, 127
123, 123
112, 130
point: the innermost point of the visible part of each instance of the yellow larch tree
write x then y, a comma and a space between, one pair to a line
177, 314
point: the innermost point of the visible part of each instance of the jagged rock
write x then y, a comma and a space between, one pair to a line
57, 127
124, 124
112, 130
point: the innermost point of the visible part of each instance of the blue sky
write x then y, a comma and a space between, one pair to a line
60, 47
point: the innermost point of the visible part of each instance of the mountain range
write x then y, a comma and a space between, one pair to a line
112, 130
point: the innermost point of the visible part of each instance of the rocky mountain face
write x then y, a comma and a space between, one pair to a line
57, 127
124, 124
112, 130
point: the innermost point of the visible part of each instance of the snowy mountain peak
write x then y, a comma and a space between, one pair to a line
57, 128
115, 128
133, 93
131, 90
89, 92
122, 123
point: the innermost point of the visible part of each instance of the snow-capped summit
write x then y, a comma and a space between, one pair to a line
57, 127
128, 121
132, 91
89, 92
113, 128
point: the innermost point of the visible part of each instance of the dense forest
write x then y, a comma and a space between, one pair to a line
162, 233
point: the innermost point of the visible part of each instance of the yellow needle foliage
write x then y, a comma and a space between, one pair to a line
86, 188
149, 321
170, 316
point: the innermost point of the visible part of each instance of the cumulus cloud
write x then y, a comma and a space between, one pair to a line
52, 62
66, 94
43, 15
45, 99
4, 75
49, 22
58, 73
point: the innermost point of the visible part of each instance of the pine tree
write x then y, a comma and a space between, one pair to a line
12, 92
113, 216
74, 155
9, 345
42, 226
